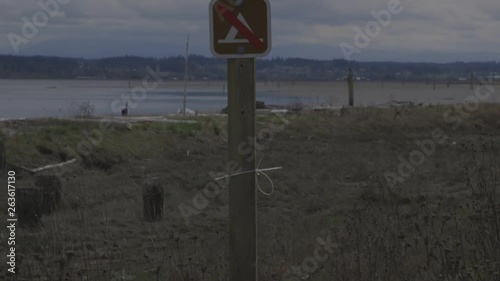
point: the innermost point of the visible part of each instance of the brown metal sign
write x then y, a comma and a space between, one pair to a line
240, 28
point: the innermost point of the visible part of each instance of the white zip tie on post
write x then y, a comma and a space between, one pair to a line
259, 172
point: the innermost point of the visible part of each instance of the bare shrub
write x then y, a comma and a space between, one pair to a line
84, 110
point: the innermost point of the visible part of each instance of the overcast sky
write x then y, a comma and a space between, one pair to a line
425, 30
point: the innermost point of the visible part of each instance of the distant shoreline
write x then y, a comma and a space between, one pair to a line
221, 81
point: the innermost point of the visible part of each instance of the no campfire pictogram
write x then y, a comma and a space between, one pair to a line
240, 30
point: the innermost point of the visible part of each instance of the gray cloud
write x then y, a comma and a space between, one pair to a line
426, 29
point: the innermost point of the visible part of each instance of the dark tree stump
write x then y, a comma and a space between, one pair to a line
260, 105
3, 156
50, 188
152, 196
28, 206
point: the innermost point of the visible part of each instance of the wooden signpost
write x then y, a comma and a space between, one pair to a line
240, 31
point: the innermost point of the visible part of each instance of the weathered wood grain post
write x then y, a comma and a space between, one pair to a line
3, 156
29, 206
350, 86
226, 20
242, 194
50, 189
152, 198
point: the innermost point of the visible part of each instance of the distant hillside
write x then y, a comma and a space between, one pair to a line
39, 67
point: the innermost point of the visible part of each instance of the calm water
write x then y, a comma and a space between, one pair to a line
45, 98
49, 98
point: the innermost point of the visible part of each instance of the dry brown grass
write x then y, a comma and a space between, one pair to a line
440, 224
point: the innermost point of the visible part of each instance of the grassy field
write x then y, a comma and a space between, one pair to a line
387, 206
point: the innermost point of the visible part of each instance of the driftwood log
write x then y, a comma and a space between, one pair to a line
50, 189
258, 105
20, 169
38, 170
28, 206
152, 196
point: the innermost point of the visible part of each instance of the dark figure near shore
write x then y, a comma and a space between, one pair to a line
125, 110
350, 85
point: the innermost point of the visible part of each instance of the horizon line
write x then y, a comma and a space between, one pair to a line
266, 58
